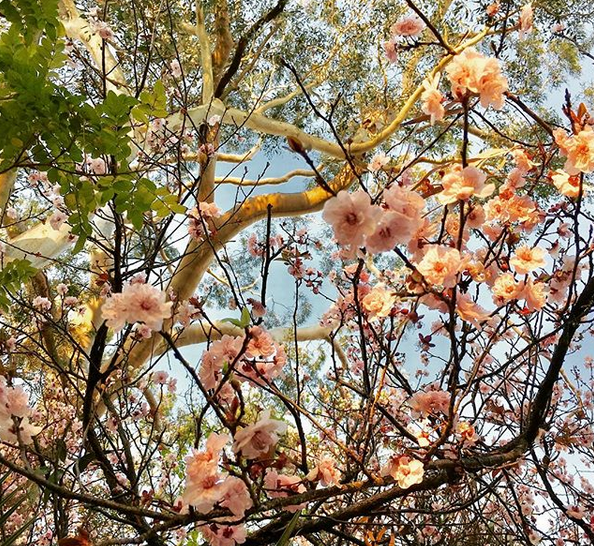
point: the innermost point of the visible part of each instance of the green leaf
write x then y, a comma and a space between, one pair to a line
85, 461
244, 320
152, 104
286, 536
12, 277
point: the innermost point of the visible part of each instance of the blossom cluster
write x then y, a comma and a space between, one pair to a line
207, 486
15, 414
137, 302
357, 222
257, 359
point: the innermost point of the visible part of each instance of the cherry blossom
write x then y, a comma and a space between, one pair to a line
579, 150
440, 265
379, 302
526, 19
175, 68
408, 26
257, 440
505, 289
280, 485
224, 535
204, 484
527, 259
352, 217
14, 403
137, 302
325, 471
406, 471
390, 48
221, 352
470, 71
433, 99
378, 161
427, 403
566, 184
464, 183
236, 496
57, 219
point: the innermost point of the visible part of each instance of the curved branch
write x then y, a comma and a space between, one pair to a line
264, 181
199, 254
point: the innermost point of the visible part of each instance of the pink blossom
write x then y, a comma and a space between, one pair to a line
523, 162
377, 162
136, 303
399, 223
325, 471
218, 534
470, 311
576, 511
406, 202
255, 248
280, 485
236, 496
470, 71
62, 289
204, 484
379, 302
505, 289
462, 184
432, 99
186, 312
206, 150
467, 433
423, 404
103, 29
258, 309
261, 344
386, 232
221, 352
526, 19
440, 265
42, 303
390, 48
535, 295
160, 378
175, 68
11, 344
408, 26
201, 219
492, 9
214, 120
392, 228
527, 259
208, 210
406, 471
36, 176
566, 184
579, 150
258, 439
352, 217
57, 219
14, 402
